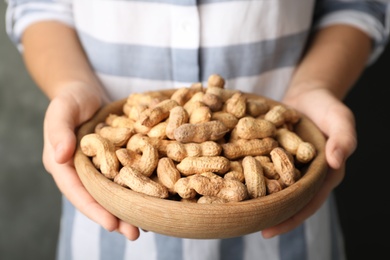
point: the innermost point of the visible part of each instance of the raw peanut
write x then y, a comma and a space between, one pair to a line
152, 116
280, 115
273, 186
235, 172
215, 80
119, 121
99, 126
182, 187
254, 178
200, 115
177, 117
253, 147
197, 86
136, 181
275, 115
182, 95
236, 105
202, 132
211, 175
256, 107
135, 111
196, 165
95, 162
230, 190
226, 118
126, 109
252, 128
305, 152
297, 174
95, 145
291, 116
161, 145
268, 167
137, 141
178, 151
149, 159
233, 190
225, 94
158, 131
127, 157
146, 98
194, 102
119, 136
211, 200
141, 129
190, 107
167, 173
284, 165
206, 184
288, 140
197, 97
214, 102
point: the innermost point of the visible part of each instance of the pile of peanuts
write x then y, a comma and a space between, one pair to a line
201, 144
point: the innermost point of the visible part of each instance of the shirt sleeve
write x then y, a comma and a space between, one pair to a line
22, 13
372, 17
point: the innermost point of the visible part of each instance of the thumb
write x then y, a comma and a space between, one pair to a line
342, 137
59, 126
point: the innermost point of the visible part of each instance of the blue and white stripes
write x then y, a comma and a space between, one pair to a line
167, 43
138, 45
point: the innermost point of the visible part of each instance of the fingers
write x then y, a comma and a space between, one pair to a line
332, 179
129, 231
59, 128
71, 187
342, 137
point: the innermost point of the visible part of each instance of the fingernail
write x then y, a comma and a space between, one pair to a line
339, 156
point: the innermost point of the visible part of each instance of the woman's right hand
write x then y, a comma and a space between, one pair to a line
75, 104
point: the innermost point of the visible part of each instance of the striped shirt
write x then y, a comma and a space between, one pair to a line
137, 45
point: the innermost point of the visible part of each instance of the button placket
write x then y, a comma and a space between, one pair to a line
185, 40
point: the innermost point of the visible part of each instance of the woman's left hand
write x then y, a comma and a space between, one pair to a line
337, 122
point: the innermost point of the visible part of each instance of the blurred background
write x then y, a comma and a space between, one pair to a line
30, 201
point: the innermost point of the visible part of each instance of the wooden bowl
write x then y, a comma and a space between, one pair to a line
202, 221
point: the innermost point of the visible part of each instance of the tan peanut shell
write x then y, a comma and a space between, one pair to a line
253, 147
236, 105
138, 182
177, 151
116, 135
215, 80
254, 178
196, 165
284, 165
288, 140
152, 116
202, 132
305, 152
253, 128
177, 117
167, 173
95, 145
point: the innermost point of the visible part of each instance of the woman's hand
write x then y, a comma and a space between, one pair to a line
337, 123
74, 105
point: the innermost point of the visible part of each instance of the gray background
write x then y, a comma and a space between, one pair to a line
30, 201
